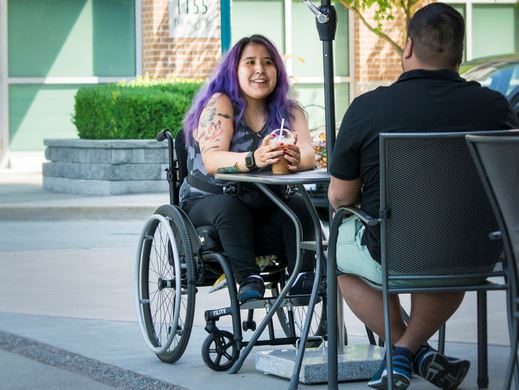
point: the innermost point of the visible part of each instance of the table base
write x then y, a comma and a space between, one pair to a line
358, 362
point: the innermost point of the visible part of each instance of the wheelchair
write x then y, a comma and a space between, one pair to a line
175, 259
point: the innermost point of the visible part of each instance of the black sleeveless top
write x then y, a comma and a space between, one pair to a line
244, 139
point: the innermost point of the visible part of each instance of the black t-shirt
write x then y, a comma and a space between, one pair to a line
419, 101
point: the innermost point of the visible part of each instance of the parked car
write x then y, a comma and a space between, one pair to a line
500, 73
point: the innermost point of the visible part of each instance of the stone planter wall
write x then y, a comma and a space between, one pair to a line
105, 167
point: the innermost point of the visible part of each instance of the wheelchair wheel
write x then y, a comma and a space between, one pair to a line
166, 283
291, 318
219, 350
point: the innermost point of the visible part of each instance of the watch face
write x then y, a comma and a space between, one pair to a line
249, 160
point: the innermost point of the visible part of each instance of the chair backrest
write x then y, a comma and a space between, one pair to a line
436, 217
181, 153
498, 161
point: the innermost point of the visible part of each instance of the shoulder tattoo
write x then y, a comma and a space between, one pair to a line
210, 126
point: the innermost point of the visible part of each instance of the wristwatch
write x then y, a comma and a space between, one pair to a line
250, 163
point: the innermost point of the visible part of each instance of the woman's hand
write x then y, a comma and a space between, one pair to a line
292, 154
267, 153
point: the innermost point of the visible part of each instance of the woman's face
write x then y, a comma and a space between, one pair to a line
257, 73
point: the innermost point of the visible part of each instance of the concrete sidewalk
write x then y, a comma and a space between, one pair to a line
67, 308
22, 197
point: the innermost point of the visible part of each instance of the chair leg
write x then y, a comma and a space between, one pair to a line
512, 359
514, 351
482, 340
388, 341
371, 336
441, 339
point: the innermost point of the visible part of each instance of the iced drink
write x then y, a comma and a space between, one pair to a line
281, 136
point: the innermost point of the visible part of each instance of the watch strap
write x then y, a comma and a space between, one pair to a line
250, 162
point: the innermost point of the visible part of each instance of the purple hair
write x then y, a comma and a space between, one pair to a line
225, 80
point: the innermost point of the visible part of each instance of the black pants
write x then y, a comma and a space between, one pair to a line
246, 232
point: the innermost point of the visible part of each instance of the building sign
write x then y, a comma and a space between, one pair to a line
193, 18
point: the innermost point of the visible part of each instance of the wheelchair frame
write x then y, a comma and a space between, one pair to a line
172, 263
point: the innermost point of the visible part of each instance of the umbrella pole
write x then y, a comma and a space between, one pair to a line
327, 35
326, 21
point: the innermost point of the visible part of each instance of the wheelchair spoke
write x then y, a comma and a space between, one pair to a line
229, 357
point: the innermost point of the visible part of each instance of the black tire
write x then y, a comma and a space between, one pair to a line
166, 309
219, 350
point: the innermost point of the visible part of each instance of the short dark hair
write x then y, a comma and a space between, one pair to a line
437, 31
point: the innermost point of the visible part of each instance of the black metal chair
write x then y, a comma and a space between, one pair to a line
436, 226
497, 160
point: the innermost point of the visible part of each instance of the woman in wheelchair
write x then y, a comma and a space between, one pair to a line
228, 130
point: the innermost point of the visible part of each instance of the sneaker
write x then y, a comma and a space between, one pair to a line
252, 287
303, 283
402, 367
442, 371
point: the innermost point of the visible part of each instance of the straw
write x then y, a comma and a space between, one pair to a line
281, 130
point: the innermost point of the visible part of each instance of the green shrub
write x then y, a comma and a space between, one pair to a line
134, 110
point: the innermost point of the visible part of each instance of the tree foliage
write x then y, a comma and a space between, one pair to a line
384, 11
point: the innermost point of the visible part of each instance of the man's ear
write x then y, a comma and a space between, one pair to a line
408, 48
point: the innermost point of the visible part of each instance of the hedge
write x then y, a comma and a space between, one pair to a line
134, 110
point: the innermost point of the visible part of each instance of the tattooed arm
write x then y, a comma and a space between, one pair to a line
214, 135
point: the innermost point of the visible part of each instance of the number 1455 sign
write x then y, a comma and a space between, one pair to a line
193, 18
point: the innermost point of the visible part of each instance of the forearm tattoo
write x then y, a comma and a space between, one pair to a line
233, 169
210, 128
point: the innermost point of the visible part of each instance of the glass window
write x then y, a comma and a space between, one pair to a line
312, 98
495, 29
71, 38
307, 47
39, 111
258, 17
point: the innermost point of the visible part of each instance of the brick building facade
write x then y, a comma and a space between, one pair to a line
163, 56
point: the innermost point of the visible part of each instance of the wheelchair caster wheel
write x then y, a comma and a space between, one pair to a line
219, 350
248, 325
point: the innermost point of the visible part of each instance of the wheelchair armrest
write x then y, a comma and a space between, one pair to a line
361, 214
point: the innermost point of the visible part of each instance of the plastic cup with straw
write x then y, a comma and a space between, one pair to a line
282, 136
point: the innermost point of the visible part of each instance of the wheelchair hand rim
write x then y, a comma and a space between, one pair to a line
139, 301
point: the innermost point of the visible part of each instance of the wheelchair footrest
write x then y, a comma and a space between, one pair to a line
297, 300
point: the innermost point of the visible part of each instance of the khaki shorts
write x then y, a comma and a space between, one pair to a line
353, 258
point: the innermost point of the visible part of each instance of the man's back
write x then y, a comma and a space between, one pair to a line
420, 101
432, 100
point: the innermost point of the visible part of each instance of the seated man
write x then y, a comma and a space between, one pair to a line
429, 96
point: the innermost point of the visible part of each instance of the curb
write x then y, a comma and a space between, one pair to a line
94, 369
60, 213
